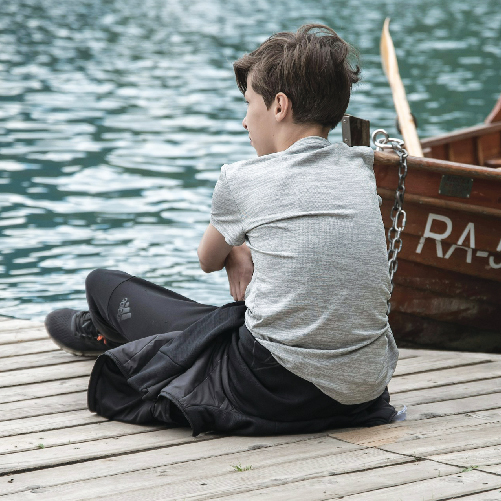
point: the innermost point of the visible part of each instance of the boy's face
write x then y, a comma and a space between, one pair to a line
259, 122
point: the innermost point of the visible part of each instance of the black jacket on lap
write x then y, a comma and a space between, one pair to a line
215, 376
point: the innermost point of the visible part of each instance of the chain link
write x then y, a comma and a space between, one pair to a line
397, 215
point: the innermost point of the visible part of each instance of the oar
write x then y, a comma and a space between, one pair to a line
390, 67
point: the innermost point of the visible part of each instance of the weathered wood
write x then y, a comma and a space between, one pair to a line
355, 131
138, 461
337, 486
491, 495
405, 118
438, 203
50, 373
457, 406
450, 392
448, 487
485, 436
38, 360
25, 348
493, 469
438, 361
216, 477
38, 390
9, 324
463, 151
459, 135
413, 330
382, 158
44, 405
485, 456
70, 436
52, 456
444, 377
20, 335
405, 431
57, 421
444, 393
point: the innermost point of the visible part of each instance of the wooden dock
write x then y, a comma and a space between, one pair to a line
53, 448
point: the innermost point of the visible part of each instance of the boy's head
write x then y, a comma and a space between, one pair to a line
311, 67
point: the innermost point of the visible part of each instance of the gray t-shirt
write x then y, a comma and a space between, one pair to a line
317, 300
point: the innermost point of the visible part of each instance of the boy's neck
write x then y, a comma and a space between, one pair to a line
288, 135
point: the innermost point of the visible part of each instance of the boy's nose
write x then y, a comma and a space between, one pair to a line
244, 123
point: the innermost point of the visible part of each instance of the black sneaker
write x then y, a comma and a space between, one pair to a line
74, 332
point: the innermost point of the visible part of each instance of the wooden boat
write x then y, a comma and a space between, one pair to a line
447, 291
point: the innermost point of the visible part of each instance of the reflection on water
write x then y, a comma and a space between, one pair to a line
115, 118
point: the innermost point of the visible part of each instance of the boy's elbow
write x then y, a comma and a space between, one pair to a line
206, 265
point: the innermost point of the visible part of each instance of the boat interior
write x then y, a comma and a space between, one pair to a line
478, 145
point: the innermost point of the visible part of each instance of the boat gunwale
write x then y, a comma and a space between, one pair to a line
458, 135
438, 166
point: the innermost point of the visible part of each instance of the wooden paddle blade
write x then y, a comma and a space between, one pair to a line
390, 67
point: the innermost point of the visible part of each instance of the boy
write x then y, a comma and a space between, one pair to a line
300, 234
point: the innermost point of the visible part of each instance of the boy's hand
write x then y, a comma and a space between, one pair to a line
239, 267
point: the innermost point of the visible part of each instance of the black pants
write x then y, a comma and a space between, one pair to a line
126, 308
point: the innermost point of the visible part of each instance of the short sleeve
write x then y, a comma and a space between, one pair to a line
225, 216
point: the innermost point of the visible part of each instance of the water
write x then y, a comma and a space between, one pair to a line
116, 116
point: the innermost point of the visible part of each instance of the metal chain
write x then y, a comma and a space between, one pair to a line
397, 215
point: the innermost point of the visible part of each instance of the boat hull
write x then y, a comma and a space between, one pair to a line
447, 292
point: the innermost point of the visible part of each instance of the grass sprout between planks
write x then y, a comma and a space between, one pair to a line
240, 468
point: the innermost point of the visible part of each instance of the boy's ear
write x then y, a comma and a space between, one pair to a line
283, 106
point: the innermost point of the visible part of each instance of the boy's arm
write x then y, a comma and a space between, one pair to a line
212, 250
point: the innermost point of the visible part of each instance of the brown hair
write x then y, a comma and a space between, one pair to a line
311, 67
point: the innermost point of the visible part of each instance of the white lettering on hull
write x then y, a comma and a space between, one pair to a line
441, 233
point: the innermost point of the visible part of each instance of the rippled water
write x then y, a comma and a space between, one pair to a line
116, 116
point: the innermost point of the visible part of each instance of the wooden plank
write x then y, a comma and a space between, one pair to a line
48, 422
50, 373
216, 476
332, 487
406, 353
136, 461
449, 392
493, 469
73, 435
484, 436
38, 390
52, 456
440, 152
440, 360
14, 324
463, 151
44, 405
405, 431
32, 360
493, 495
456, 406
432, 165
231, 482
484, 456
444, 377
21, 335
490, 145
447, 487
41, 346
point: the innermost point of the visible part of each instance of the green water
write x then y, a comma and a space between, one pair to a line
116, 116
